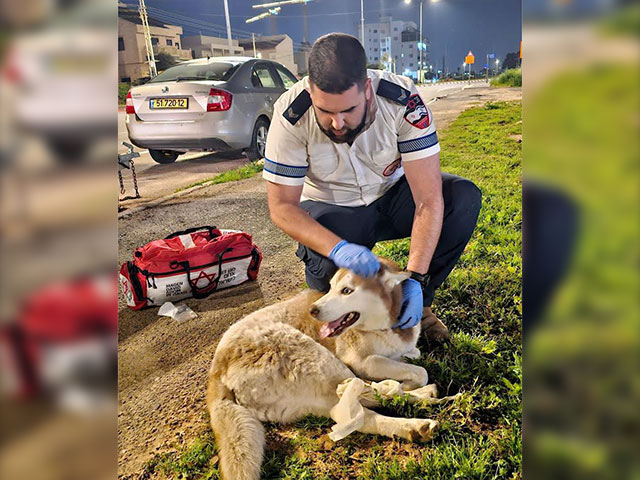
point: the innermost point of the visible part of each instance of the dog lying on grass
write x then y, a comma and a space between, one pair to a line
297, 358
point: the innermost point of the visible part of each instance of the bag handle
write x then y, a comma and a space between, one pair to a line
133, 270
202, 292
192, 230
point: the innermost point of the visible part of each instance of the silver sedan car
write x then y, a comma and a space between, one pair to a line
220, 103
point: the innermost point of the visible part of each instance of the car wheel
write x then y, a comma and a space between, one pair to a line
259, 139
163, 156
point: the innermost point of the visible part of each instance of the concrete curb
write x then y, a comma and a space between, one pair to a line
435, 99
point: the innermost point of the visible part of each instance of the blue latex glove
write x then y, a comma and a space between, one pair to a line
411, 310
356, 258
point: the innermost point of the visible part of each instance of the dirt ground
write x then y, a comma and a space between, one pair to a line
162, 364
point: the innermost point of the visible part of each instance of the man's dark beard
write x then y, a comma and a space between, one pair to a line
351, 134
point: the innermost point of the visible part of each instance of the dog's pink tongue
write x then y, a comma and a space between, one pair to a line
325, 330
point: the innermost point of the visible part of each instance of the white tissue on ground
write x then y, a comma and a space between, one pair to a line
180, 313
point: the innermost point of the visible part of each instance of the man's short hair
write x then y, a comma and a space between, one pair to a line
337, 62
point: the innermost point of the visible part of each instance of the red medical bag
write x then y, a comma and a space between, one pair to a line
191, 263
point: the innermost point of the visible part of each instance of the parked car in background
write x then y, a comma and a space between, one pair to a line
56, 84
218, 103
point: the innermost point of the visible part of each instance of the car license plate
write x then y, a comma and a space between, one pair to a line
162, 103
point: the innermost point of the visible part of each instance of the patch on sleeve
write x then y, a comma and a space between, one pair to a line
417, 113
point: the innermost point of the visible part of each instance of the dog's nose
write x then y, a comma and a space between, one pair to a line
314, 311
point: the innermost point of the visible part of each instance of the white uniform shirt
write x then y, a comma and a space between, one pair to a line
299, 153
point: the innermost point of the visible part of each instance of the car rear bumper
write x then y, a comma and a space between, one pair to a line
222, 134
183, 144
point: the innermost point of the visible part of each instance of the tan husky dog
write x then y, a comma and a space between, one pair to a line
287, 360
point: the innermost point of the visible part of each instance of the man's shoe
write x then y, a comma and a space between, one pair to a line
433, 329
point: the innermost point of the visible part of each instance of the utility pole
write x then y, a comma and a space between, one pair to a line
421, 44
226, 14
151, 59
306, 23
253, 39
362, 22
487, 68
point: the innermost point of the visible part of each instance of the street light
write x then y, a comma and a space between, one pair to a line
420, 45
268, 13
279, 4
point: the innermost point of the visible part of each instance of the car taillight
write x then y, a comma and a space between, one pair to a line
129, 104
218, 101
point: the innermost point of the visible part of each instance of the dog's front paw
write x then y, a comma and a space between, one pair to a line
427, 392
412, 354
423, 431
418, 378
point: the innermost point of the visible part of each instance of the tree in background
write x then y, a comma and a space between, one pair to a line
512, 60
164, 61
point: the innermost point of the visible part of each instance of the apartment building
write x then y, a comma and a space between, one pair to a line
278, 48
132, 53
203, 46
396, 46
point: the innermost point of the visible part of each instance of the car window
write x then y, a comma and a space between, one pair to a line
255, 81
220, 71
287, 78
264, 76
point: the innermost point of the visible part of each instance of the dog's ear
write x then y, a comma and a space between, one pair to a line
391, 278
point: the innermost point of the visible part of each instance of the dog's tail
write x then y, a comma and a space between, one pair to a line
239, 434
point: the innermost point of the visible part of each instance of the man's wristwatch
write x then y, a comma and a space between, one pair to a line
422, 278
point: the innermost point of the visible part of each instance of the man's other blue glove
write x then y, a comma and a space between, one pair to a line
356, 258
411, 310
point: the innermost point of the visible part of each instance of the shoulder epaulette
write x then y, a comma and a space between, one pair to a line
298, 107
393, 92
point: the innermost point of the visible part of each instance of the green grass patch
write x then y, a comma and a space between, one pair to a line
240, 173
625, 21
508, 78
572, 380
123, 89
480, 432
197, 460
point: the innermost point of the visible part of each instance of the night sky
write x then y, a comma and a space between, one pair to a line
453, 26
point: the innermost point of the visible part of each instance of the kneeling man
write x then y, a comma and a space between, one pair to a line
352, 158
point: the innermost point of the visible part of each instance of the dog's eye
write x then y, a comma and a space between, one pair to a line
346, 291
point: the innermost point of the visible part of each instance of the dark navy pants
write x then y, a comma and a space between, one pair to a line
391, 217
